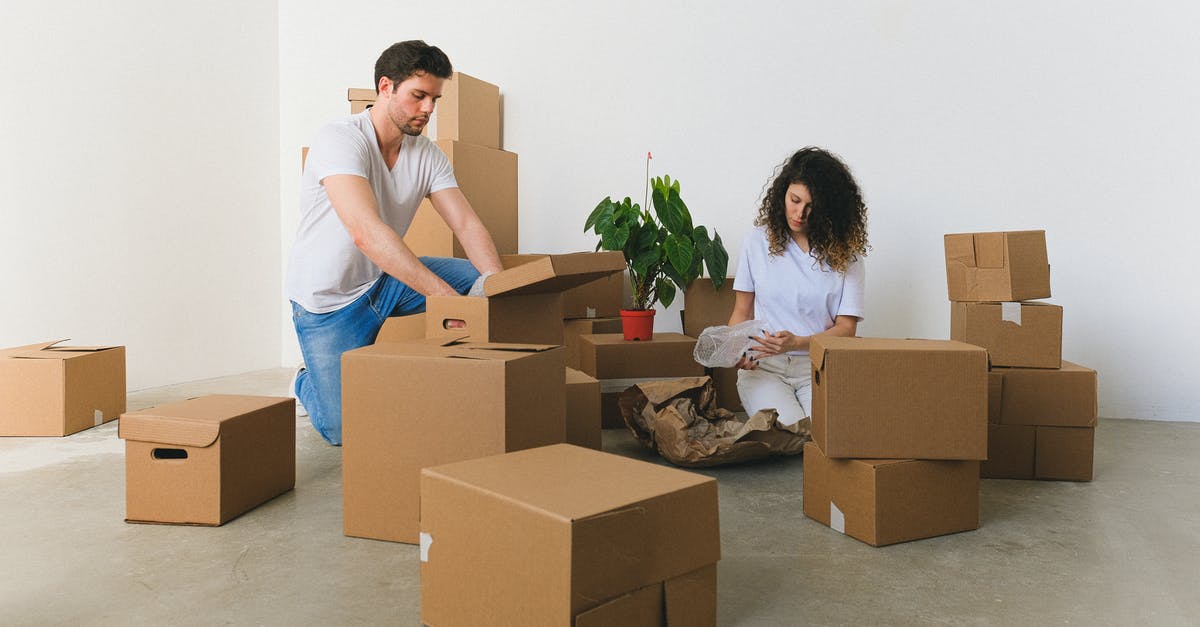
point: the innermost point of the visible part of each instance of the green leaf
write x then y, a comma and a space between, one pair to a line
717, 260
602, 214
615, 238
679, 252
644, 259
665, 291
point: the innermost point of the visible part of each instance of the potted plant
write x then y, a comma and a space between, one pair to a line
661, 255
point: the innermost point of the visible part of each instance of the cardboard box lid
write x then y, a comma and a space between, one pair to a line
51, 350
554, 273
823, 344
455, 346
195, 422
586, 483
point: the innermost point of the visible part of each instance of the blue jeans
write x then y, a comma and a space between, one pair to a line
324, 337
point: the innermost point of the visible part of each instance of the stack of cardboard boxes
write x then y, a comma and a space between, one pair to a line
1041, 409
899, 427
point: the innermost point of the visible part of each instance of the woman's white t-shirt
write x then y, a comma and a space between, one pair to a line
326, 270
795, 292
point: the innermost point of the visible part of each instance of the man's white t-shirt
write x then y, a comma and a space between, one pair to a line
327, 271
795, 292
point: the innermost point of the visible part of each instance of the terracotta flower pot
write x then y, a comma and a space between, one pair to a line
637, 324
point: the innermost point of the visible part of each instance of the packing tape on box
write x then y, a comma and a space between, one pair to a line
1011, 312
620, 385
426, 542
591, 312
97, 417
837, 520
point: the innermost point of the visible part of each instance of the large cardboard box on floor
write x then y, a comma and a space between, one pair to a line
522, 302
53, 390
899, 399
999, 266
488, 178
885, 501
1025, 335
563, 535
408, 405
583, 410
207, 460
1062, 397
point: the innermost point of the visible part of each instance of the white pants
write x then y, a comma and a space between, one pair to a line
782, 383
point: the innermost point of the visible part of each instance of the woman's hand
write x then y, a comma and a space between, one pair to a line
747, 362
779, 342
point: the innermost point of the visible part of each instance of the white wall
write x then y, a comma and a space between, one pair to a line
1076, 117
139, 169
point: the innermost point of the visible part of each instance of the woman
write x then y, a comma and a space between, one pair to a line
800, 273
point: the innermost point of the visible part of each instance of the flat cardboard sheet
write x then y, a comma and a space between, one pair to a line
680, 419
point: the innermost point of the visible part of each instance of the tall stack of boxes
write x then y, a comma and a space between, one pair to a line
898, 427
1042, 410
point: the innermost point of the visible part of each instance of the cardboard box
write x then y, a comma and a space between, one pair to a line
583, 410
488, 178
885, 501
725, 380
360, 99
408, 405
207, 460
1065, 453
610, 395
599, 298
906, 399
1033, 452
1063, 397
563, 535
1000, 266
576, 327
402, 329
1010, 452
48, 389
523, 302
1027, 335
609, 356
704, 306
469, 112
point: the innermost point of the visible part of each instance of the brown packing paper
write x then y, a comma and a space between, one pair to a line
681, 420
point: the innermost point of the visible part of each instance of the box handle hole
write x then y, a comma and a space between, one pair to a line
454, 323
170, 453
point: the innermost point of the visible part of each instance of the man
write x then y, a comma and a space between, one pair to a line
363, 180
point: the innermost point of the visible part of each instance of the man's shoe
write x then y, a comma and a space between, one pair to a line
300, 411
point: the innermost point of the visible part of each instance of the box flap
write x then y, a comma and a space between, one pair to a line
575, 377
50, 350
643, 606
194, 422
990, 250
816, 352
554, 273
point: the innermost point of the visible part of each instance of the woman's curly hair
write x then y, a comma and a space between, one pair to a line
837, 223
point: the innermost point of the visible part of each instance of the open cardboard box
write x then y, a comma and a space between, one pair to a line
998, 266
49, 389
523, 303
408, 405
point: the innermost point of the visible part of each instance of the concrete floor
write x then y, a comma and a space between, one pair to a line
1122, 550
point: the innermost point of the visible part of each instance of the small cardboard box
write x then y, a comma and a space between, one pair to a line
1027, 335
610, 356
906, 399
360, 99
705, 306
583, 410
408, 405
1062, 397
1065, 453
1000, 266
469, 112
488, 178
402, 329
207, 460
523, 302
52, 390
563, 535
885, 501
576, 327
